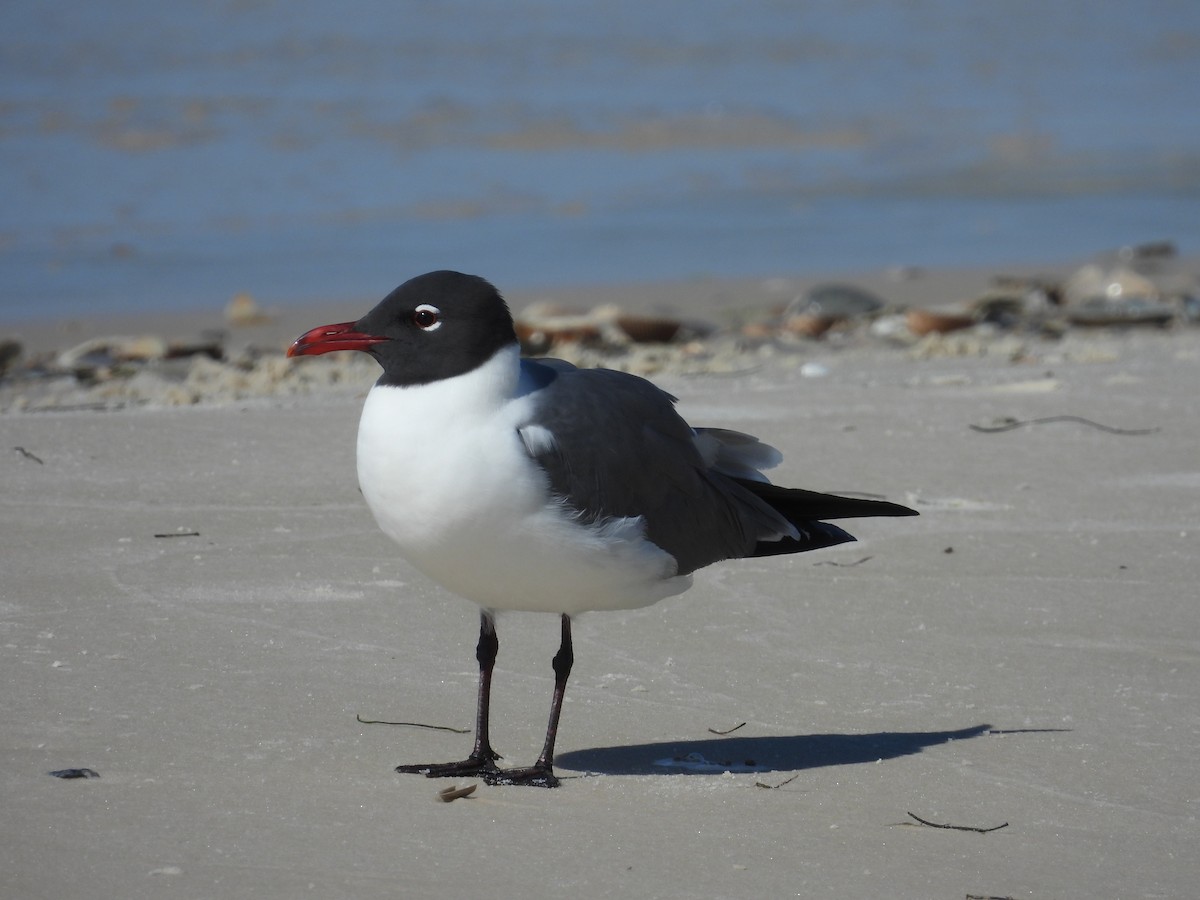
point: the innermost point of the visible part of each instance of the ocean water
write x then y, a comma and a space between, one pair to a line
171, 154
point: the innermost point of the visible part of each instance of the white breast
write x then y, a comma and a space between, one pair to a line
447, 476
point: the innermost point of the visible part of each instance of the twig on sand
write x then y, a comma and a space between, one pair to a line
1009, 424
973, 828
449, 728
25, 453
849, 565
775, 787
730, 731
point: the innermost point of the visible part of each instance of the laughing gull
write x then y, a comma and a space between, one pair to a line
532, 485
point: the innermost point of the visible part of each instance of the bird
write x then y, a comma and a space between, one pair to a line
533, 485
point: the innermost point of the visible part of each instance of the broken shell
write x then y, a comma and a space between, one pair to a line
540, 337
140, 349
543, 325
834, 301
809, 324
447, 795
1017, 302
758, 331
1116, 295
892, 328
817, 310
105, 351
1116, 283
1122, 311
923, 321
648, 329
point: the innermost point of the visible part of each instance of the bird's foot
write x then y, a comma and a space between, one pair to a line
485, 767
479, 766
533, 776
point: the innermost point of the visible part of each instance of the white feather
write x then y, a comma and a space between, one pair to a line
445, 469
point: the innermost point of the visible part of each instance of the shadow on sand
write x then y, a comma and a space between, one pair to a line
757, 754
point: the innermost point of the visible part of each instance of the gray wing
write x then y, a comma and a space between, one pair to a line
612, 445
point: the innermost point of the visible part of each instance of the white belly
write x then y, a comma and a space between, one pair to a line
466, 504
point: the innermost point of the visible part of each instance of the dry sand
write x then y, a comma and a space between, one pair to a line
1026, 652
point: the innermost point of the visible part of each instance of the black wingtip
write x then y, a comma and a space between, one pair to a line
799, 506
813, 536
887, 508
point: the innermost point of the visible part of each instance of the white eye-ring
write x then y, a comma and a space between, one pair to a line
427, 318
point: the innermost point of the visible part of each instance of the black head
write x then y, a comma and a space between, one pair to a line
434, 326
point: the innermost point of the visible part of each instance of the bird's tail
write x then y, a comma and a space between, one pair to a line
807, 510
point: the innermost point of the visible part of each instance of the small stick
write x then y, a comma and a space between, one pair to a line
730, 731
1010, 424
775, 787
850, 565
958, 827
25, 453
449, 728
172, 534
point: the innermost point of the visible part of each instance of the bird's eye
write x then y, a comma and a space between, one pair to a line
427, 318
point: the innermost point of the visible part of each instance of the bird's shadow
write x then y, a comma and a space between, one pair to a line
758, 754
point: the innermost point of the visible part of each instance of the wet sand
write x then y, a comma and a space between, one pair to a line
197, 606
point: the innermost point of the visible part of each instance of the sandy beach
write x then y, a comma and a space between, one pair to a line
198, 607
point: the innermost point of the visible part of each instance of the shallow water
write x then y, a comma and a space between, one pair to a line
161, 154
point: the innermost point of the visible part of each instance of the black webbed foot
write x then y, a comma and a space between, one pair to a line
478, 766
533, 776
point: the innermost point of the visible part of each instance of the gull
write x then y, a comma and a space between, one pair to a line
532, 485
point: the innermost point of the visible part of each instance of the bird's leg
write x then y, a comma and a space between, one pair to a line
541, 773
483, 758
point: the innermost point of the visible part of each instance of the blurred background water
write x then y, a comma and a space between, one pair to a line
169, 154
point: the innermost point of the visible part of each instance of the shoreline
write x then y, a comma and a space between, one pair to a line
686, 295
724, 326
